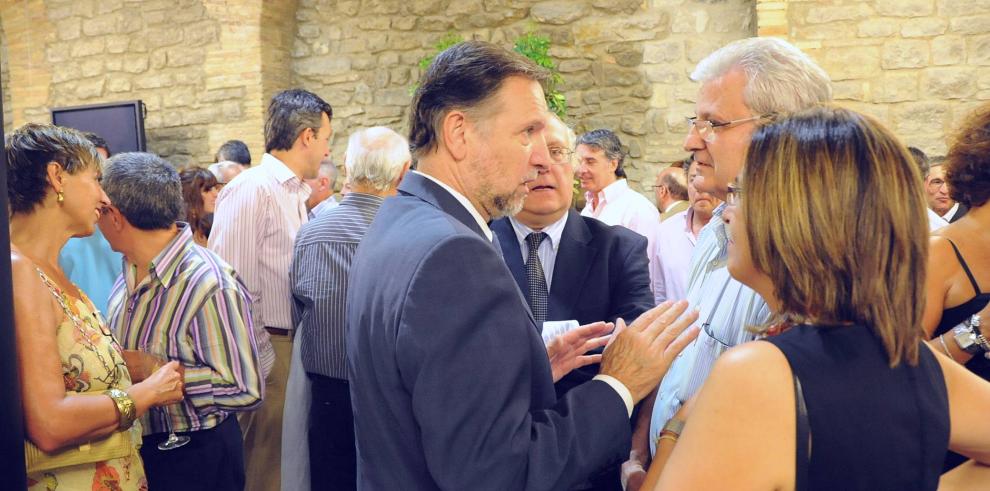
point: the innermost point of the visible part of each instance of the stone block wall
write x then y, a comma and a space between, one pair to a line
918, 65
625, 63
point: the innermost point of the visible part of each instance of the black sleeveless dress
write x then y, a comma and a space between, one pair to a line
872, 427
952, 317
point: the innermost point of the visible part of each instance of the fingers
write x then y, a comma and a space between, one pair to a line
681, 342
586, 360
660, 322
671, 333
595, 343
647, 318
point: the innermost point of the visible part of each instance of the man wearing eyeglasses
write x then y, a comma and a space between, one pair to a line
571, 267
742, 84
937, 192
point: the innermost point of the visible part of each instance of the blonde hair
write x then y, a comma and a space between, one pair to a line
834, 212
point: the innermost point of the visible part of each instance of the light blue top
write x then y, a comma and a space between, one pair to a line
92, 266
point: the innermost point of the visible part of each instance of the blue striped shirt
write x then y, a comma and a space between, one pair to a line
192, 306
318, 278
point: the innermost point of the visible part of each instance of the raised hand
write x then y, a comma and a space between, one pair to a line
567, 351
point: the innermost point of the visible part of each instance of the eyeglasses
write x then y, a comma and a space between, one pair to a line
706, 129
935, 184
560, 155
735, 195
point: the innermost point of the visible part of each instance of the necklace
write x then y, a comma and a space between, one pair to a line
78, 324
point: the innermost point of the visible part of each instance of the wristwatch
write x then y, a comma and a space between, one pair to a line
966, 339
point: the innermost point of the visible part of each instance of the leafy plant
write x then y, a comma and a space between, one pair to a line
531, 45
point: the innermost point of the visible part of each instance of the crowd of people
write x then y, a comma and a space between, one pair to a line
801, 307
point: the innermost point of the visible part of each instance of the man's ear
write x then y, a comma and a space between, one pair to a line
454, 134
306, 137
613, 164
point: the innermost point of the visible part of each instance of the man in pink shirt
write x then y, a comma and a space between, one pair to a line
254, 229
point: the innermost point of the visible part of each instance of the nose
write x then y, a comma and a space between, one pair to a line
693, 141
104, 199
540, 158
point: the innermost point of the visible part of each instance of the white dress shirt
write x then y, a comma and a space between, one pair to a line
951, 213
935, 221
618, 204
548, 248
672, 259
254, 228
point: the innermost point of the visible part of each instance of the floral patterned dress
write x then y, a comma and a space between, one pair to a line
91, 362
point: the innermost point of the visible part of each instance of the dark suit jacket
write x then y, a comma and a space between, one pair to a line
450, 382
601, 273
963, 209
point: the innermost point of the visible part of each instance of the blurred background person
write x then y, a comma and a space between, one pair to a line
670, 190
935, 221
321, 198
199, 192
848, 396
958, 283
75, 386
234, 151
939, 192
676, 238
89, 261
226, 171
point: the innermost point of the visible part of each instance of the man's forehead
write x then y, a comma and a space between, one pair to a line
723, 96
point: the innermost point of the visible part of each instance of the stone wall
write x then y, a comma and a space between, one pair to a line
625, 63
918, 65
198, 65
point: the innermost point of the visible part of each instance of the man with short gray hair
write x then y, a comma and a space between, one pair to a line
321, 199
180, 300
742, 84
377, 159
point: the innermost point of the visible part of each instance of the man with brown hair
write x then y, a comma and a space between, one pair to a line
451, 384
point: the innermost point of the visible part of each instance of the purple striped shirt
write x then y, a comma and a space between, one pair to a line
191, 307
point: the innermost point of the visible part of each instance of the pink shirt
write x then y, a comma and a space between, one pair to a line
672, 258
618, 204
254, 229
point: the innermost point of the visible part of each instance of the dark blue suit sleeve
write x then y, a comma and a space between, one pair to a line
631, 294
480, 382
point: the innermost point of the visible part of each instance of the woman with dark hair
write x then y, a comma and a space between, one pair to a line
958, 283
80, 407
844, 394
199, 190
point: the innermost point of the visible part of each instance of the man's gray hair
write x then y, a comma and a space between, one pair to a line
780, 77
145, 188
375, 157
608, 142
329, 171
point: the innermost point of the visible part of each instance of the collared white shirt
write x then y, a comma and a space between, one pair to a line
548, 248
325, 205
675, 242
951, 213
254, 228
935, 221
618, 204
466, 203
725, 304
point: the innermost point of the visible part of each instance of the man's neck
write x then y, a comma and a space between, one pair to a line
145, 246
365, 189
446, 173
698, 222
291, 159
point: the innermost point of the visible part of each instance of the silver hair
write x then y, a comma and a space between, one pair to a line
375, 156
145, 188
780, 77
329, 171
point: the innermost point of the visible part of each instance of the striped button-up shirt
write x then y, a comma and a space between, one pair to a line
726, 305
320, 264
192, 308
254, 228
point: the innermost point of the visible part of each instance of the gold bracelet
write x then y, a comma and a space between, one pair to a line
674, 426
125, 407
672, 438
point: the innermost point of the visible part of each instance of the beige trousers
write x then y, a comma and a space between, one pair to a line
262, 427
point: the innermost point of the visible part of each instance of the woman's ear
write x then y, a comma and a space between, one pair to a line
55, 174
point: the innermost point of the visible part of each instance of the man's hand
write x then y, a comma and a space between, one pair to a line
567, 351
641, 353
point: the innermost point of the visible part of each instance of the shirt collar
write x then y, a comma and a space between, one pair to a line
553, 231
163, 267
464, 202
672, 205
283, 174
609, 193
952, 212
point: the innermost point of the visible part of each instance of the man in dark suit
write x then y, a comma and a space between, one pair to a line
581, 269
451, 384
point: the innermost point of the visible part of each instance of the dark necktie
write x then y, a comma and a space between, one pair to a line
537, 280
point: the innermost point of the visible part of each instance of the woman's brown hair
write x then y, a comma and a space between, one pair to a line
836, 218
967, 169
196, 181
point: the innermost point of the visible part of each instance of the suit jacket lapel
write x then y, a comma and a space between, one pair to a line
511, 252
574, 260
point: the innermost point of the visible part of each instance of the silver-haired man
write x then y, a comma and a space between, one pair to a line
742, 85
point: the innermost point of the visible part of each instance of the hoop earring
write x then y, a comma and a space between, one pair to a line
59, 196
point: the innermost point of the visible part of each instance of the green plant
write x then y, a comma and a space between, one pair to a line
530, 45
